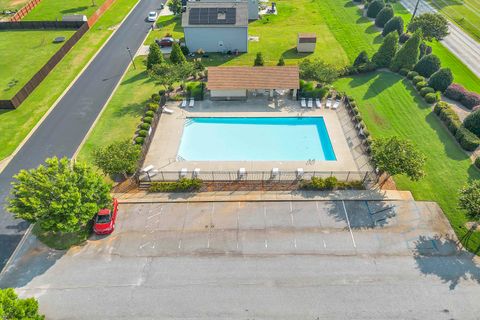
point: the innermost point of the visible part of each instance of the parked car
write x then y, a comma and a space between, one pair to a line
165, 42
104, 222
152, 16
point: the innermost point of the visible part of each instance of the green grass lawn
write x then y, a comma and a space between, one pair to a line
124, 111
390, 106
16, 124
22, 54
10, 5
54, 9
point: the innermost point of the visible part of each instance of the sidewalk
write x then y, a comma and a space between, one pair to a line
234, 196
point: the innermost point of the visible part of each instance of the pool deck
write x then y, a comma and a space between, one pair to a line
165, 144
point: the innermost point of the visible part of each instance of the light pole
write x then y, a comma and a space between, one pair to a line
415, 11
131, 58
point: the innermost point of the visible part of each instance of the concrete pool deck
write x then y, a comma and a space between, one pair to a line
163, 150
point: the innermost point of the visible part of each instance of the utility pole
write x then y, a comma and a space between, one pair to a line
131, 58
415, 11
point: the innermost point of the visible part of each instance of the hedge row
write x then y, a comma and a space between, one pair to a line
467, 98
330, 183
182, 185
465, 138
150, 109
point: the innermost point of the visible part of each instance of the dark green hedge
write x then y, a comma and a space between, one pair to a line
182, 185
330, 183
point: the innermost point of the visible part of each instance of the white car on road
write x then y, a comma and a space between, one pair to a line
152, 16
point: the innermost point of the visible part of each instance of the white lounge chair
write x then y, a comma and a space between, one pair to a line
184, 103
318, 103
183, 172
192, 102
303, 103
329, 103
166, 110
310, 103
336, 104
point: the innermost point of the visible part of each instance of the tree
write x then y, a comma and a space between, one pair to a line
433, 26
396, 156
175, 6
155, 56
177, 56
394, 24
61, 195
119, 157
281, 62
165, 74
374, 8
407, 56
472, 122
470, 199
14, 308
428, 65
441, 79
384, 16
362, 58
383, 57
258, 62
318, 70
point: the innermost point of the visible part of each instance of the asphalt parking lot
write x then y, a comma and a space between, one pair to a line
257, 260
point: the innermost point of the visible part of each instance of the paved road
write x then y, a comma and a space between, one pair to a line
63, 130
254, 260
458, 42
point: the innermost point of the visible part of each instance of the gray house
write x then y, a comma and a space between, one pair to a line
252, 6
216, 26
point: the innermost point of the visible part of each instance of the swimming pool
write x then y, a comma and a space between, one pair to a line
255, 139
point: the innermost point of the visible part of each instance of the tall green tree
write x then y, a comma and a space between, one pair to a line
362, 58
177, 56
384, 16
374, 8
441, 79
433, 26
384, 56
394, 24
14, 308
408, 54
259, 62
120, 157
175, 6
60, 195
470, 199
472, 122
318, 70
155, 56
396, 156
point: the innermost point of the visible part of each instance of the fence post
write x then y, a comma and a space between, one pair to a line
348, 175
365, 177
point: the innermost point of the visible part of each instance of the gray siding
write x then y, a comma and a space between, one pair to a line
252, 9
208, 38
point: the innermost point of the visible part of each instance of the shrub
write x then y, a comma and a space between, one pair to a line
155, 97
147, 120
152, 106
403, 72
330, 183
149, 113
161, 92
258, 62
394, 24
142, 133
428, 65
441, 79
420, 85
472, 122
448, 116
155, 56
407, 56
467, 139
358, 117
185, 50
383, 57
455, 92
182, 185
412, 74
425, 49
120, 157
477, 162
281, 62
426, 90
470, 99
404, 37
383, 16
374, 8
176, 55
144, 126
418, 79
139, 140
431, 97
362, 58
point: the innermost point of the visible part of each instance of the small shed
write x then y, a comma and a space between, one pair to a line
306, 42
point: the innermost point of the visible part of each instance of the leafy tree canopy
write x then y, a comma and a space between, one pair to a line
14, 308
155, 56
177, 56
318, 70
433, 26
120, 157
175, 6
383, 57
470, 199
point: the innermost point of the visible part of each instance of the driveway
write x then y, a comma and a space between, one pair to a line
258, 260
65, 127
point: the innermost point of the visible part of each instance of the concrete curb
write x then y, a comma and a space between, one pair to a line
17, 249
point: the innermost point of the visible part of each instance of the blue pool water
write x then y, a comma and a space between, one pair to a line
259, 139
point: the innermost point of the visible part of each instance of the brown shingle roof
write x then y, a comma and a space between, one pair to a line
227, 78
307, 38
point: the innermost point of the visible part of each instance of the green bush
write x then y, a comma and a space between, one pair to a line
259, 61
441, 79
195, 90
428, 65
448, 116
152, 106
142, 133
431, 97
358, 117
426, 90
408, 54
161, 92
148, 120
182, 185
176, 55
362, 58
383, 57
155, 97
412, 74
383, 16
394, 24
139, 140
403, 72
421, 85
149, 113
330, 183
418, 79
477, 162
468, 140
374, 8
144, 126
472, 122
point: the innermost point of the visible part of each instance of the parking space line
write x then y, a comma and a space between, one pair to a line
183, 227
291, 206
265, 223
238, 223
324, 244
210, 225
348, 223
156, 214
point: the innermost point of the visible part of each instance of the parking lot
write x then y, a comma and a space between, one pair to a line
257, 260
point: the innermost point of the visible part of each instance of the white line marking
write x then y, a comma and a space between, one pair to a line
266, 243
156, 214
291, 206
180, 244
316, 204
348, 222
295, 243
291, 219
324, 244
144, 245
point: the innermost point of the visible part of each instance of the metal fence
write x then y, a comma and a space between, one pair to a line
35, 25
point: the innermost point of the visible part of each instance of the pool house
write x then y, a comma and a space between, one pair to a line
239, 83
